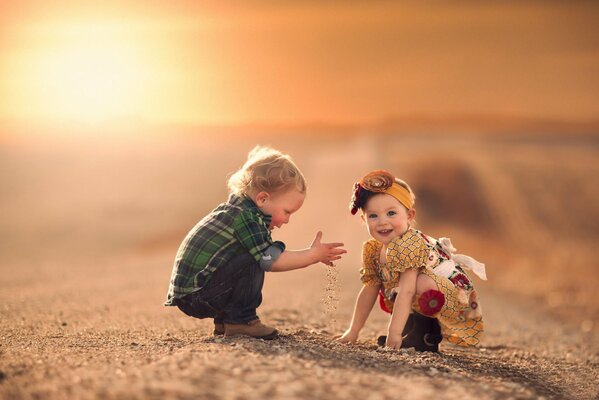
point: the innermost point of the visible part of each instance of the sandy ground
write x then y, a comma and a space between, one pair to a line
90, 230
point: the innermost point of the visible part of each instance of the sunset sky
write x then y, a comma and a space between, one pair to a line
297, 61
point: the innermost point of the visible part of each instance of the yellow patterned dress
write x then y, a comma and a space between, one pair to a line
455, 304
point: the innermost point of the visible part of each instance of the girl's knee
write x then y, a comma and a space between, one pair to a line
425, 283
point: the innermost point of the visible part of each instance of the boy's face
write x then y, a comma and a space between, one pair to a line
386, 218
280, 205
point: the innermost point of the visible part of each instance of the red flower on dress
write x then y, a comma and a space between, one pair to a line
460, 280
431, 302
382, 302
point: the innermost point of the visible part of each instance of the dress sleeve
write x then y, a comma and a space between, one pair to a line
253, 234
406, 252
368, 273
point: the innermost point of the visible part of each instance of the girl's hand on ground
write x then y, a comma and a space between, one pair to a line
394, 341
326, 253
348, 337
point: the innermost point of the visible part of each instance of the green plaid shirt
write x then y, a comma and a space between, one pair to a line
232, 228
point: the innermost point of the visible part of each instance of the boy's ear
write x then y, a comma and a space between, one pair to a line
261, 198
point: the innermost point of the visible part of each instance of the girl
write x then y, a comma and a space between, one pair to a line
409, 270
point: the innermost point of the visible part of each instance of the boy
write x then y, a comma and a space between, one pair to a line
219, 268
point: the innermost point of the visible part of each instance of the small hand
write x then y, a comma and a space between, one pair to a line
348, 337
394, 341
326, 253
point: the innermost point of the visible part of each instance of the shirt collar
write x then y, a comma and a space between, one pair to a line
247, 203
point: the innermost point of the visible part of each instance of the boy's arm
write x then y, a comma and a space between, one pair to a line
402, 307
293, 259
317, 252
364, 303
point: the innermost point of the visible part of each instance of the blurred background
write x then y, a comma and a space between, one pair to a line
120, 124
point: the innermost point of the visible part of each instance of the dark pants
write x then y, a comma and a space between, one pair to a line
232, 295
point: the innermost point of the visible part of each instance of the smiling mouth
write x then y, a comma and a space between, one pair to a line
385, 231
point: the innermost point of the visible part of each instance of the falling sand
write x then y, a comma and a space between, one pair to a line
331, 296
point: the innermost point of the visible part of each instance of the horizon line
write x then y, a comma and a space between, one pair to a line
466, 122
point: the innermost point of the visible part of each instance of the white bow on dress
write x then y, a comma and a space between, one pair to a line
462, 260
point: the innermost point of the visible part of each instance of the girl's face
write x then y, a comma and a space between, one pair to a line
386, 218
280, 205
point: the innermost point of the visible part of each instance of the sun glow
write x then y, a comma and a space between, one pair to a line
83, 72
89, 81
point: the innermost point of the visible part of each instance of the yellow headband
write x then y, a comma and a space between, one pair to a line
380, 181
401, 194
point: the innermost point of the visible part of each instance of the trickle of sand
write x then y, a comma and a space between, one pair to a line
331, 296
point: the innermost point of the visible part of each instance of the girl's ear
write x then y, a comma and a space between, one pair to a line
262, 198
411, 214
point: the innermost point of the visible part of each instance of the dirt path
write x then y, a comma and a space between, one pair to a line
89, 231
107, 343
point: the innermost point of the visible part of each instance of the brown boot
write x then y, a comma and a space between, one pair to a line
255, 329
219, 329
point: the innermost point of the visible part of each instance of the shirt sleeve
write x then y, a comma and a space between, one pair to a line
271, 254
407, 252
253, 234
368, 273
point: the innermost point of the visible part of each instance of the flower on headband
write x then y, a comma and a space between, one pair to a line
431, 302
377, 181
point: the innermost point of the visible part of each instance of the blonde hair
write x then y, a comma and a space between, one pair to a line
266, 170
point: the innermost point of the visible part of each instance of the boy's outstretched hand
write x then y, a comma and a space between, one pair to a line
326, 253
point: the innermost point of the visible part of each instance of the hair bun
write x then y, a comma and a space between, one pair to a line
377, 181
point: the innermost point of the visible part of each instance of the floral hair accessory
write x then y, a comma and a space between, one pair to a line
431, 302
353, 204
379, 181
